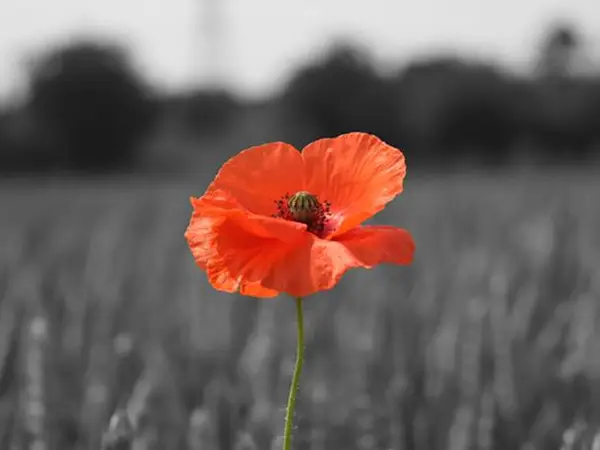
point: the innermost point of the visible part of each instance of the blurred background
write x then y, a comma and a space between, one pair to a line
113, 113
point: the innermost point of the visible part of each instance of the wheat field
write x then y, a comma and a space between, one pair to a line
490, 340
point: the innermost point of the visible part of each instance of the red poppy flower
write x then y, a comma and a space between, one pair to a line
277, 220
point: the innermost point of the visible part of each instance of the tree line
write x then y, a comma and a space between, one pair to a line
88, 109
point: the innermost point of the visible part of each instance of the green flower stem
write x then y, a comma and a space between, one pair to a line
291, 405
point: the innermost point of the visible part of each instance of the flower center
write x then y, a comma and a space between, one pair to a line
306, 208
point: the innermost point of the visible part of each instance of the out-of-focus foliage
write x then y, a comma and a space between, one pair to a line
558, 51
488, 341
452, 110
457, 110
210, 111
91, 97
89, 109
26, 144
344, 92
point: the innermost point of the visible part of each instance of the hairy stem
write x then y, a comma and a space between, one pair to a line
291, 405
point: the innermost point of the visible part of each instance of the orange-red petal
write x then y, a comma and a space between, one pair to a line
202, 235
258, 176
357, 172
243, 258
311, 266
242, 248
233, 245
379, 244
317, 264
236, 258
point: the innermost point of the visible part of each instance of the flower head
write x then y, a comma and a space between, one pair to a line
276, 220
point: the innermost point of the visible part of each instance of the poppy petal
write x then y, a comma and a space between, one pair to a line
310, 266
318, 264
200, 232
203, 235
237, 259
357, 173
258, 176
222, 280
373, 245
218, 204
234, 246
242, 258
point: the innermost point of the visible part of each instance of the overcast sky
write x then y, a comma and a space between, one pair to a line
264, 39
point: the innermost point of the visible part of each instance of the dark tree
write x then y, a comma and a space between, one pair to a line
460, 111
91, 96
480, 118
343, 93
565, 122
558, 51
209, 112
